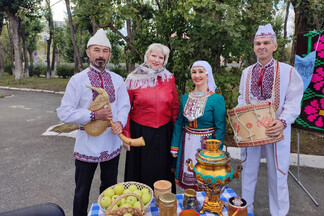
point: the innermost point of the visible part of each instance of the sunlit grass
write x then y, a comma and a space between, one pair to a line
53, 84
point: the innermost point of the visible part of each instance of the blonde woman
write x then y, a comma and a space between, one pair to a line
154, 109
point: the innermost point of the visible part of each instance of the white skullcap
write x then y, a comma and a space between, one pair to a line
211, 82
265, 31
99, 38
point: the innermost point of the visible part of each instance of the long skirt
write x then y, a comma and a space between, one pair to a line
153, 161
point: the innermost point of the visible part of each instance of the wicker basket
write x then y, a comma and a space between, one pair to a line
140, 186
123, 210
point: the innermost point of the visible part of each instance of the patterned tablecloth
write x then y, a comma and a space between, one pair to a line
154, 211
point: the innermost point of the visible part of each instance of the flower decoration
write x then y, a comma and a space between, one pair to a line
318, 79
249, 125
319, 46
236, 127
314, 111
237, 201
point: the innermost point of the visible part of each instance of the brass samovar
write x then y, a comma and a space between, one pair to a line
213, 173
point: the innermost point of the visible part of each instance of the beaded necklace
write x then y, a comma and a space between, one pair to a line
200, 93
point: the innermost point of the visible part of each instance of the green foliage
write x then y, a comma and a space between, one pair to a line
117, 48
31, 26
15, 5
8, 68
65, 71
120, 70
228, 82
37, 70
65, 45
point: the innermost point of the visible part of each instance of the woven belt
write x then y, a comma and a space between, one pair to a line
200, 132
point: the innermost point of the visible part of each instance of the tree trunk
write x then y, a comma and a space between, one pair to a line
31, 59
12, 52
217, 60
58, 57
94, 27
300, 24
1, 62
80, 43
14, 31
1, 49
53, 60
48, 60
49, 43
130, 32
317, 23
77, 58
282, 57
26, 69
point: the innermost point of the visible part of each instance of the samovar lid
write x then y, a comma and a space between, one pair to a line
212, 154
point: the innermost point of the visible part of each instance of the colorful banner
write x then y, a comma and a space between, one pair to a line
312, 107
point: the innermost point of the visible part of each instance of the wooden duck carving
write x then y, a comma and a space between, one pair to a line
97, 127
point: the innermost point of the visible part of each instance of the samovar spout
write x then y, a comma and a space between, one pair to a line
189, 165
238, 171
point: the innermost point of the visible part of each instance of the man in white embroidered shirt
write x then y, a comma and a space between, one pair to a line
105, 148
270, 80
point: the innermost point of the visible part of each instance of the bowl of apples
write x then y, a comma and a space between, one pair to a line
131, 198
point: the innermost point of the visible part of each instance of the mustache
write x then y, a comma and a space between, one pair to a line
100, 59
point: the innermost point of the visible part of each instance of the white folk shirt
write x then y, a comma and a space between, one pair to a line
287, 98
74, 109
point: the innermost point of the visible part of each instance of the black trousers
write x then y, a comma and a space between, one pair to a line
84, 173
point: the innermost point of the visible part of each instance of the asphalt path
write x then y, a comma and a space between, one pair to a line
37, 169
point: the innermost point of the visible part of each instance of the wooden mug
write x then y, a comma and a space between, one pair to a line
161, 187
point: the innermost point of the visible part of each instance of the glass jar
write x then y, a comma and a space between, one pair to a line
190, 200
167, 204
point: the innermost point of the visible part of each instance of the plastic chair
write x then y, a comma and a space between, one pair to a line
46, 209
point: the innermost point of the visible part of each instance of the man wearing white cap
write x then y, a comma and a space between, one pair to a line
105, 148
270, 80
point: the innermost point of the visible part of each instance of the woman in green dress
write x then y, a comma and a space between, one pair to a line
201, 116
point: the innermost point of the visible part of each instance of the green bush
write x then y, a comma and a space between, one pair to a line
37, 70
120, 70
65, 71
228, 82
8, 68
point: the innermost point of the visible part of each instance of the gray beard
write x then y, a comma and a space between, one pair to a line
99, 65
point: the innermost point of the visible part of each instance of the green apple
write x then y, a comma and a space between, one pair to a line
125, 205
146, 198
145, 190
131, 200
105, 201
138, 193
114, 207
115, 197
132, 187
122, 201
127, 191
109, 192
128, 214
119, 189
137, 204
